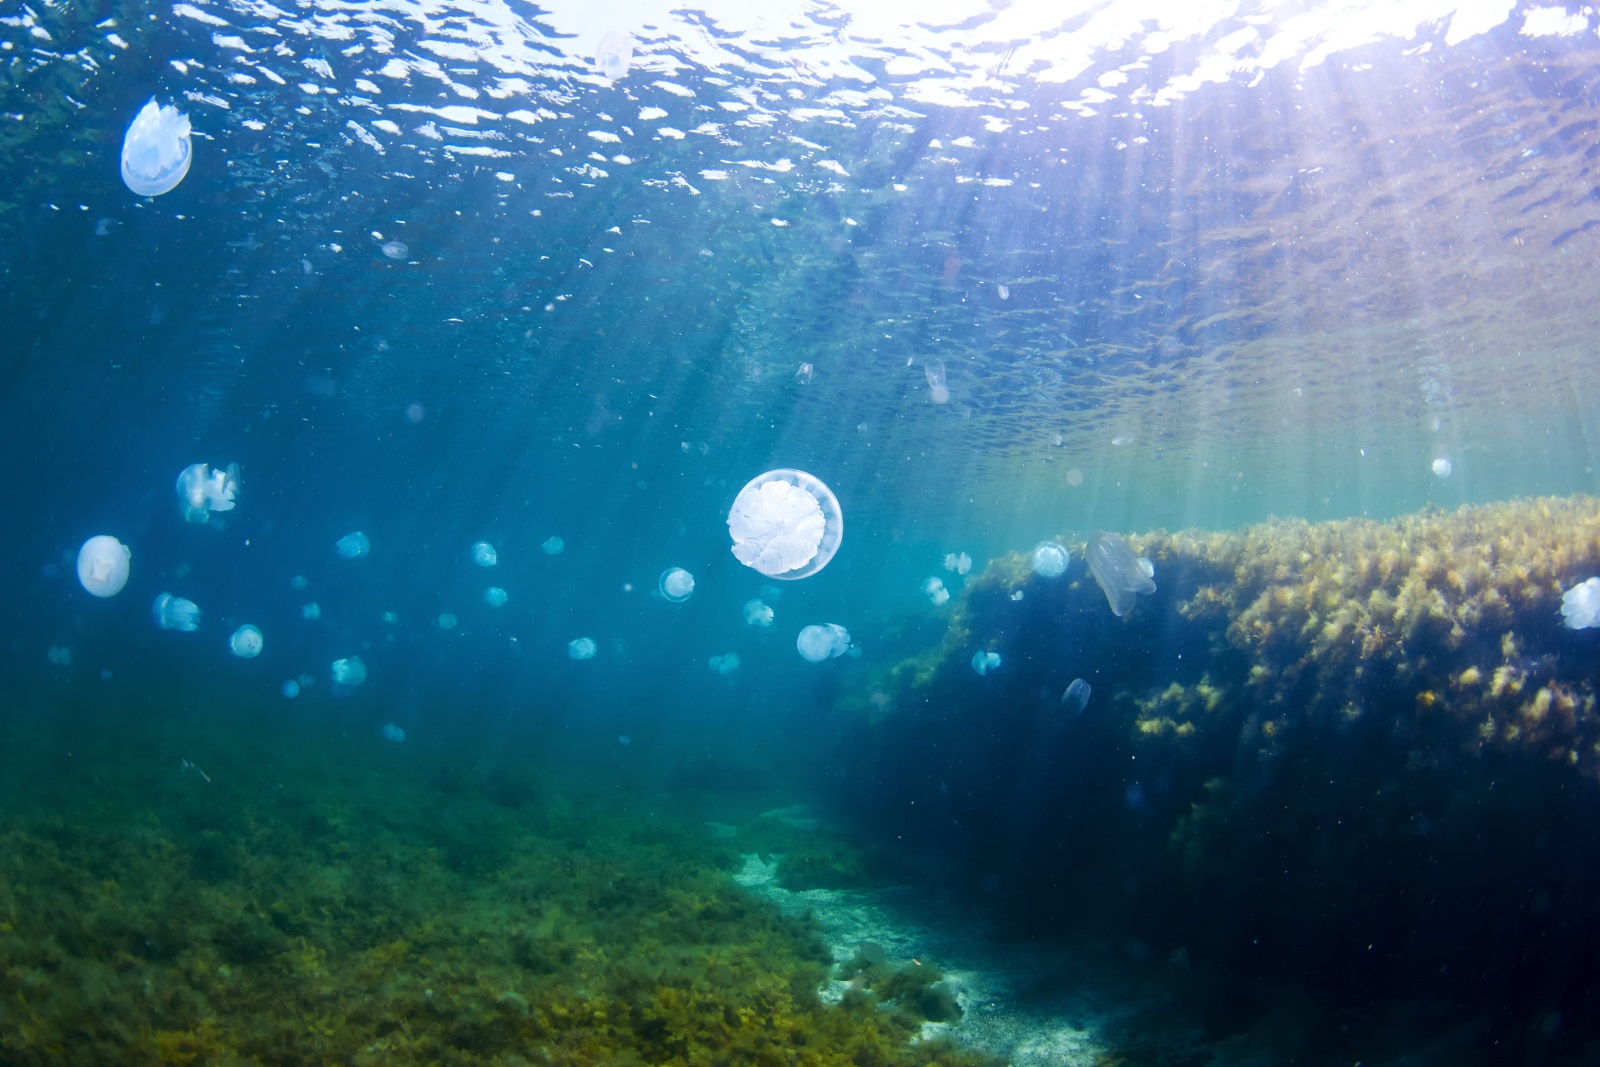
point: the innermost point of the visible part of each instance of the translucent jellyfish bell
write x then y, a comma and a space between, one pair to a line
203, 489
984, 662
827, 641
1580, 605
786, 524
354, 545
581, 648
554, 546
1076, 697
495, 597
175, 613
676, 584
935, 591
614, 55
103, 564
156, 151
960, 563
1117, 570
757, 614
1050, 559
725, 665
484, 555
349, 672
246, 642
393, 733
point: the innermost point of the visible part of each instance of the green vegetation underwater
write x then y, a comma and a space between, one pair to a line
803, 533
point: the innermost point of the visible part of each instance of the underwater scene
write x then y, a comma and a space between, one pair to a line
804, 533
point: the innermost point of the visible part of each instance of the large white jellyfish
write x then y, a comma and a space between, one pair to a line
725, 665
1117, 570
354, 545
203, 489
938, 391
757, 614
984, 662
614, 55
676, 584
246, 642
156, 151
103, 565
484, 555
817, 643
349, 672
495, 597
1050, 559
175, 613
581, 648
1580, 605
1075, 697
786, 524
960, 562
935, 591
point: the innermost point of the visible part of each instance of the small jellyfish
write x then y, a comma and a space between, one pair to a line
1580, 605
938, 392
785, 524
554, 546
1017, 595
203, 489
1117, 570
803, 375
1003, 291
484, 555
1441, 467
984, 662
390, 618
393, 733
354, 545
447, 621
312, 611
961, 564
246, 642
156, 150
291, 689
1076, 697
757, 614
581, 648
817, 643
59, 656
349, 672
614, 55
676, 584
103, 565
935, 591
396, 250
495, 597
175, 613
725, 665
1050, 559
298, 583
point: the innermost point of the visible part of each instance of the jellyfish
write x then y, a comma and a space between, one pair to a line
298, 583
1117, 570
757, 614
290, 689
484, 555
581, 648
935, 591
614, 55
203, 489
246, 642
1580, 605
984, 662
447, 621
803, 375
1441, 467
103, 565
495, 597
175, 613
785, 524
59, 656
393, 733
725, 665
1145, 566
349, 672
817, 643
312, 611
156, 151
1050, 559
961, 564
354, 545
554, 546
1076, 697
938, 392
676, 584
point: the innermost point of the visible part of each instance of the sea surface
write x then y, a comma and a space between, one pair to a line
1242, 284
